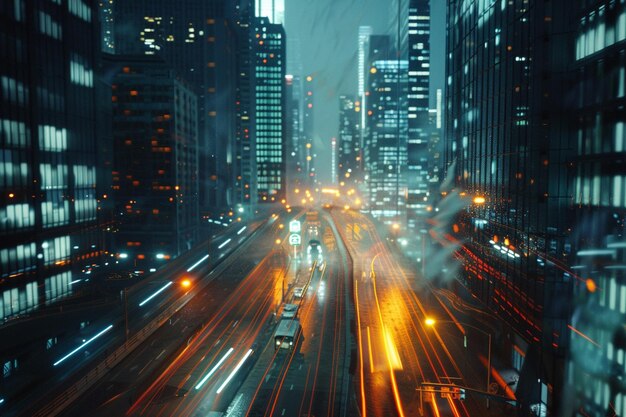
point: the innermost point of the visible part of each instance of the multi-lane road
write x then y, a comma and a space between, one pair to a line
365, 348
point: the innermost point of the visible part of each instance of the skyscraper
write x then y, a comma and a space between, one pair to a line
155, 164
418, 55
385, 150
308, 129
244, 160
269, 87
48, 210
196, 38
349, 141
363, 68
509, 150
596, 371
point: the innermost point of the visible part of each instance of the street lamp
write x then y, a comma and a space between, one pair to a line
431, 323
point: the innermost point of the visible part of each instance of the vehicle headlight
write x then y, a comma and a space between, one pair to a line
278, 342
290, 343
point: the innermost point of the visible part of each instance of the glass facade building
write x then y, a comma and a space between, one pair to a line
269, 106
509, 151
349, 140
597, 366
418, 55
155, 163
385, 151
48, 203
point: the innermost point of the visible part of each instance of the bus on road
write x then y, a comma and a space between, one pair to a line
287, 334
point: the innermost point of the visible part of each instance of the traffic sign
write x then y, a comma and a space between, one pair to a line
294, 239
295, 226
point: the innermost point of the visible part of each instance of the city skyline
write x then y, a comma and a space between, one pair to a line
350, 208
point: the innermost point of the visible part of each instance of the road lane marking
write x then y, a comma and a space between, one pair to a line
291, 387
283, 413
162, 352
142, 369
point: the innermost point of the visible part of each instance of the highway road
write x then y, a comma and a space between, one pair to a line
398, 351
365, 347
313, 379
180, 368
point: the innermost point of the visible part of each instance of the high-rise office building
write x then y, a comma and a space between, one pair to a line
349, 141
48, 208
418, 55
196, 38
597, 366
308, 129
244, 161
269, 106
155, 165
508, 148
385, 150
363, 49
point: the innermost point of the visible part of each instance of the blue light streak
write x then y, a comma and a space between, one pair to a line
155, 294
232, 374
204, 258
214, 368
224, 243
83, 345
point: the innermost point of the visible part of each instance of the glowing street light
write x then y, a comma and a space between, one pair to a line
185, 283
479, 200
431, 323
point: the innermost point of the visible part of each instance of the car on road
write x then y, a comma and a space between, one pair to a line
298, 292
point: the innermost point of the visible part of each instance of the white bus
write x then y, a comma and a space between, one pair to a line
287, 334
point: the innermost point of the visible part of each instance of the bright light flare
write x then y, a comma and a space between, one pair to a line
155, 294
429, 321
232, 374
215, 368
204, 258
110, 326
392, 352
186, 283
479, 200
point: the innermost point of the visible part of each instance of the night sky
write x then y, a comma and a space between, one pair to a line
327, 31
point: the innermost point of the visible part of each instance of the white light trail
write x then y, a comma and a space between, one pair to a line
232, 374
212, 371
83, 345
224, 243
241, 230
155, 294
204, 258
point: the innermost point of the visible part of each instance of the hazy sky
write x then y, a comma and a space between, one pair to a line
327, 31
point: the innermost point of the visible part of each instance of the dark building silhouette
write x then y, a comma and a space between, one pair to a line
349, 141
198, 39
155, 161
508, 149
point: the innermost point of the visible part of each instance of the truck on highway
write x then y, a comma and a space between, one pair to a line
287, 333
313, 223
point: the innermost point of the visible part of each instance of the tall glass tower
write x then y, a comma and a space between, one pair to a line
269, 88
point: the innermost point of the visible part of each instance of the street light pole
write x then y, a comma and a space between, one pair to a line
431, 322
